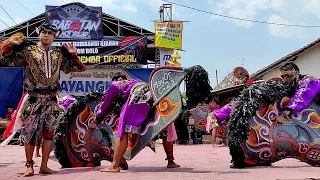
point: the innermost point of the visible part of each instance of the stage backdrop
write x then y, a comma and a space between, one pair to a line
97, 79
11, 88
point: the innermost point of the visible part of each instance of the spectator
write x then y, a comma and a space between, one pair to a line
10, 112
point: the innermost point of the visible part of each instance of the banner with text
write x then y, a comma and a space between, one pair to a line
111, 50
165, 56
76, 21
99, 79
168, 35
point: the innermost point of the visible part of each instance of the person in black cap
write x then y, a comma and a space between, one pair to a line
42, 65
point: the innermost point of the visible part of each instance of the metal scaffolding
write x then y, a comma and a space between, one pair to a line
165, 12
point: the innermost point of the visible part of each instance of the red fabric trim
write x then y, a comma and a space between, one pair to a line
47, 134
9, 129
6, 50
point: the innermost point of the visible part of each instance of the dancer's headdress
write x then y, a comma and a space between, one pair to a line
47, 27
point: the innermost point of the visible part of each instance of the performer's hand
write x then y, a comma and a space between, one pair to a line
16, 40
71, 48
92, 125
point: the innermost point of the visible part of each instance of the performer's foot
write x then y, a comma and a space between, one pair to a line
171, 163
233, 166
214, 145
29, 171
123, 164
110, 169
46, 170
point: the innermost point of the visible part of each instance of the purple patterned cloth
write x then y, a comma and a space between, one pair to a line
309, 88
66, 101
222, 113
218, 117
134, 112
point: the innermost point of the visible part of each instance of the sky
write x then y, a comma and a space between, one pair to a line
214, 42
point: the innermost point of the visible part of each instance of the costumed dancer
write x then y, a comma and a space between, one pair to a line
307, 89
39, 109
138, 103
217, 118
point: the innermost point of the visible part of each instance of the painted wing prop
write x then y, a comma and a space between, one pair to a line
77, 145
257, 137
164, 85
270, 141
200, 114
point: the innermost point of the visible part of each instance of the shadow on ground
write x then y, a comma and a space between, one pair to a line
163, 169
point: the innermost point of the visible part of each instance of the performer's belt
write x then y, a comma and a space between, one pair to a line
38, 95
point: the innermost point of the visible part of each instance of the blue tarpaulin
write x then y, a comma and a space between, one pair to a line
11, 83
142, 74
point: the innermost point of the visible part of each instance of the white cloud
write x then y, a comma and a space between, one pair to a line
241, 9
153, 4
129, 7
107, 4
312, 6
283, 31
276, 11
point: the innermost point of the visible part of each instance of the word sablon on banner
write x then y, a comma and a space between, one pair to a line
168, 35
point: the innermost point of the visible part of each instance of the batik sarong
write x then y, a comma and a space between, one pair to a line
39, 119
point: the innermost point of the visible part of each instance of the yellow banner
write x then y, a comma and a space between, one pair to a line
168, 35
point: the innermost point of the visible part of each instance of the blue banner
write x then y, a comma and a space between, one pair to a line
142, 74
91, 80
73, 83
11, 88
76, 21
